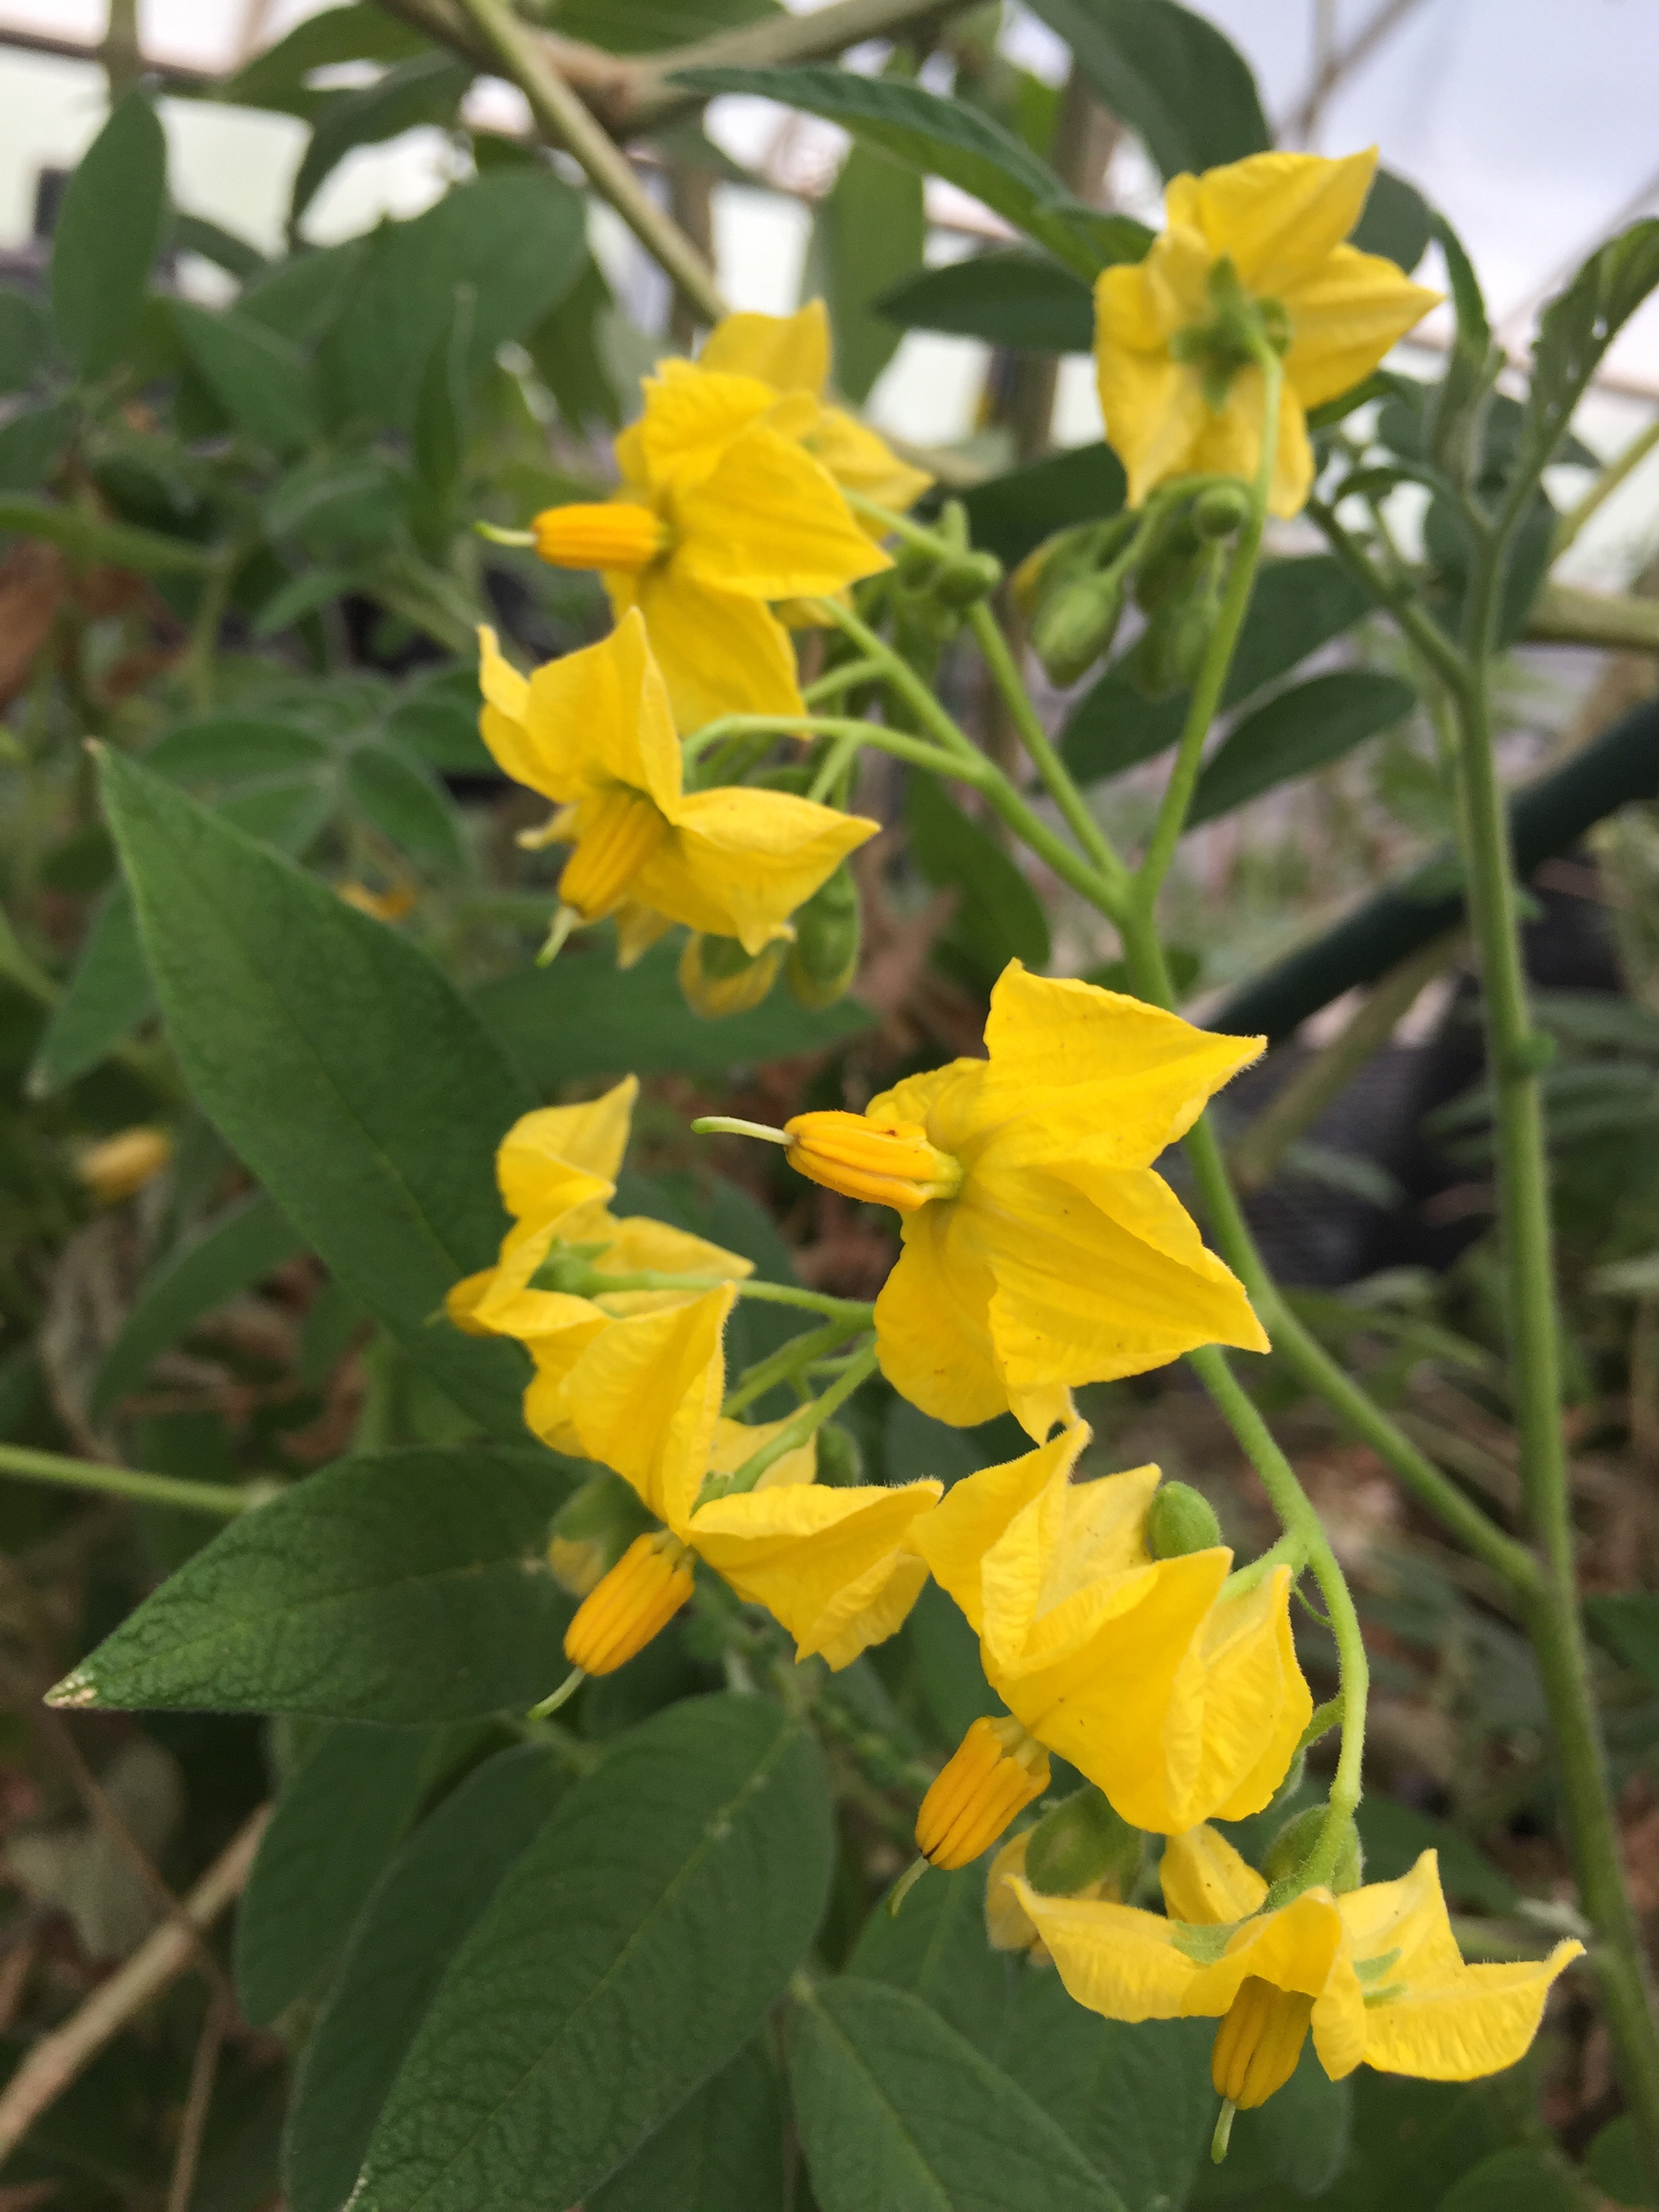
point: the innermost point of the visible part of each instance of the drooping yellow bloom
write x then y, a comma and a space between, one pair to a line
1040, 1251
996, 1770
593, 733
1180, 1703
1377, 1974
721, 508
791, 354
1178, 387
556, 1168
831, 1564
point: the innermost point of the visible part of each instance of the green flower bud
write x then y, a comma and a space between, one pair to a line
1179, 1520
840, 1461
1165, 568
592, 1530
1075, 625
718, 977
1221, 510
1082, 1842
968, 578
829, 932
1289, 1850
1169, 652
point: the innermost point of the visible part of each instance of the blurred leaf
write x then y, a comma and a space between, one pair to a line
408, 1586
1520, 2179
440, 725
416, 1919
305, 594
211, 749
1173, 78
109, 993
300, 297
998, 916
896, 2109
952, 1676
359, 33
263, 382
1297, 2142
585, 1017
1012, 514
349, 501
640, 27
565, 347
1574, 331
33, 443
1395, 1836
227, 1255
1628, 1627
1135, 2099
406, 805
1396, 221
146, 552
722, 2151
108, 233
427, 88
377, 1139
288, 813
518, 236
25, 339
440, 418
1297, 731
339, 1818
195, 234
601, 1984
941, 137
937, 1949
1005, 297
869, 230
1614, 2164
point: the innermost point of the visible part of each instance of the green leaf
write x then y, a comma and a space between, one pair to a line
1135, 2099
377, 1138
277, 78
998, 916
403, 1586
896, 2111
722, 2151
868, 231
1396, 221
212, 751
25, 340
1412, 2139
518, 236
585, 1017
195, 234
441, 417
108, 995
567, 350
32, 443
1628, 1627
406, 804
301, 298
439, 724
1296, 607
1519, 2179
1179, 84
1395, 1836
303, 595
627, 1956
1005, 298
341, 1816
416, 1918
1614, 2163
940, 137
937, 1948
227, 1255
109, 231
337, 502
638, 27
1012, 514
1297, 731
262, 380
427, 87
121, 544
1575, 330
948, 1664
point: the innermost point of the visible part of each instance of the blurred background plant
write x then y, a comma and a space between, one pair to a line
237, 489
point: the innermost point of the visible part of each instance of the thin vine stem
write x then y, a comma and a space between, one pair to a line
216, 1498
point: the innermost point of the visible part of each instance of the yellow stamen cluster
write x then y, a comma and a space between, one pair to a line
634, 1603
620, 833
885, 1162
996, 1770
1259, 2042
614, 535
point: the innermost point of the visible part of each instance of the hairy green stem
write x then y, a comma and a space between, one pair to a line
792, 1435
792, 1358
838, 726
33, 1466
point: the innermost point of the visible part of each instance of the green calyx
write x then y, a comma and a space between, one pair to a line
829, 935
1233, 337
592, 1530
1081, 1843
569, 1268
1293, 1845
1179, 1520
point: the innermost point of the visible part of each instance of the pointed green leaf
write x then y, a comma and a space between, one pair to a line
937, 1949
722, 2151
1297, 731
1177, 81
427, 87
407, 803
109, 231
263, 382
869, 230
1575, 330
109, 993
1004, 298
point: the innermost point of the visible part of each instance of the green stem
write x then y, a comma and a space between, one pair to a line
841, 727
845, 678
791, 1437
1398, 597
123, 1482
1296, 1514
1218, 653
788, 1359
901, 679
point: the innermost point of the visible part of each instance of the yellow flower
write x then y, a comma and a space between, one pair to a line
1040, 1251
790, 354
721, 508
1180, 1703
831, 1564
556, 1168
1377, 1974
1179, 390
120, 1165
593, 733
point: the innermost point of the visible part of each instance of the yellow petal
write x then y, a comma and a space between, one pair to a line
737, 1440
1205, 1879
691, 415
556, 1349
638, 928
1266, 1705
601, 717
829, 1564
638, 1244
1069, 1563
979, 1509
1298, 1948
1461, 2024
504, 722
534, 1164
644, 1398
1277, 216
719, 652
757, 855
768, 521
789, 352
1115, 1959
1231, 442
860, 461
1155, 414
1008, 1925
932, 1322
1345, 315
